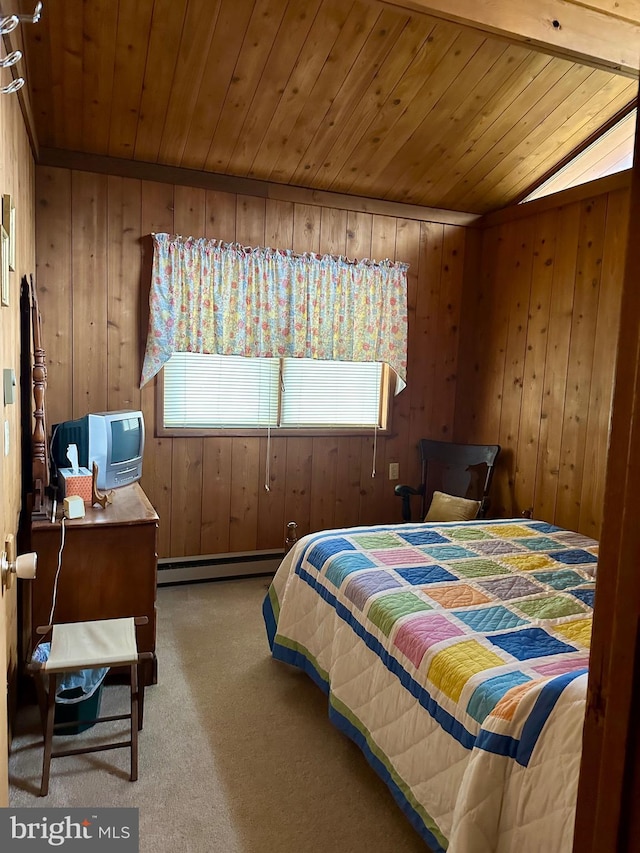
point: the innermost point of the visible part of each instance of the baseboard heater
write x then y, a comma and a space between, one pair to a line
217, 566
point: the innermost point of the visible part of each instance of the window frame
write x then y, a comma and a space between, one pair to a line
385, 413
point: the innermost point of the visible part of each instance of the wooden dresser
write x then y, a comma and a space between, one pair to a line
109, 569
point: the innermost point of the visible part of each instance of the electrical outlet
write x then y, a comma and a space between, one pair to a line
394, 470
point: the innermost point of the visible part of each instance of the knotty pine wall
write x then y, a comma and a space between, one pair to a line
94, 255
538, 341
17, 173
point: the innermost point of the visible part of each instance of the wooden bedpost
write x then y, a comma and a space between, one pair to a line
292, 536
40, 455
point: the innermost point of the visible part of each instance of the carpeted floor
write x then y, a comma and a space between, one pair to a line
237, 754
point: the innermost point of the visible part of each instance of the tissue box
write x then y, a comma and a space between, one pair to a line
78, 482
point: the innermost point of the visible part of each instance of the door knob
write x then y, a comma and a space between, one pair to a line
23, 566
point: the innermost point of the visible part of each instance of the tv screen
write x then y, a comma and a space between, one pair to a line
125, 439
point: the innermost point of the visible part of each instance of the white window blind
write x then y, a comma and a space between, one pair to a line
219, 392
204, 391
330, 393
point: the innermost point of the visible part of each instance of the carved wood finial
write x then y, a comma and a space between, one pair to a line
292, 536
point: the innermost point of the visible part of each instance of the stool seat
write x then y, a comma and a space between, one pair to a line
90, 645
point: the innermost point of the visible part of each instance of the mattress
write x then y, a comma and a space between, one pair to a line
455, 655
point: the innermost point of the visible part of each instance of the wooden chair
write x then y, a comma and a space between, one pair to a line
461, 470
89, 645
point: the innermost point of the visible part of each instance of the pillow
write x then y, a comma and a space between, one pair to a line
449, 508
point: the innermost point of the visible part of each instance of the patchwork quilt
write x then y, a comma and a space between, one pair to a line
455, 655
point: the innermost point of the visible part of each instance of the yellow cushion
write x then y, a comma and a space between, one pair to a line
449, 508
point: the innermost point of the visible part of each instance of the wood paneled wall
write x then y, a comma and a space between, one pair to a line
539, 331
94, 257
17, 179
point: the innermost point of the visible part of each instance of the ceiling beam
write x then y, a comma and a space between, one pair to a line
178, 175
582, 33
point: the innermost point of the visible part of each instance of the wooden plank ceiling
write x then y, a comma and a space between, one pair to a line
354, 97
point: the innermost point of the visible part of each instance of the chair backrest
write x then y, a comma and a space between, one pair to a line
463, 470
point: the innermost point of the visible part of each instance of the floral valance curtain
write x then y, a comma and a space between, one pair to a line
213, 297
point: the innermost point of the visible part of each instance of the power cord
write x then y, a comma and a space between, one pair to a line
57, 575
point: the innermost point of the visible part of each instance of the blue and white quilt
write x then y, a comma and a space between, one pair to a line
455, 655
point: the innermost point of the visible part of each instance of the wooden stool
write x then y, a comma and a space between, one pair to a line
90, 645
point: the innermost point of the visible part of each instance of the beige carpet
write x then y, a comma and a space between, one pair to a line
237, 754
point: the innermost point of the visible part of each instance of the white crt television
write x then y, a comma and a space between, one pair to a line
113, 440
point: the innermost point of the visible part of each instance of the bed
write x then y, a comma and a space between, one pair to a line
455, 655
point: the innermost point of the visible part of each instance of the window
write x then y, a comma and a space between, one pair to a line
214, 392
610, 153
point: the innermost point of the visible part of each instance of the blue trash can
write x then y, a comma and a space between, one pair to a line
78, 695
76, 711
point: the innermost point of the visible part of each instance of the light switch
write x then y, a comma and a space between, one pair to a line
9, 385
394, 470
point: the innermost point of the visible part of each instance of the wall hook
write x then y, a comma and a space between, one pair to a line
34, 18
16, 84
8, 24
11, 59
